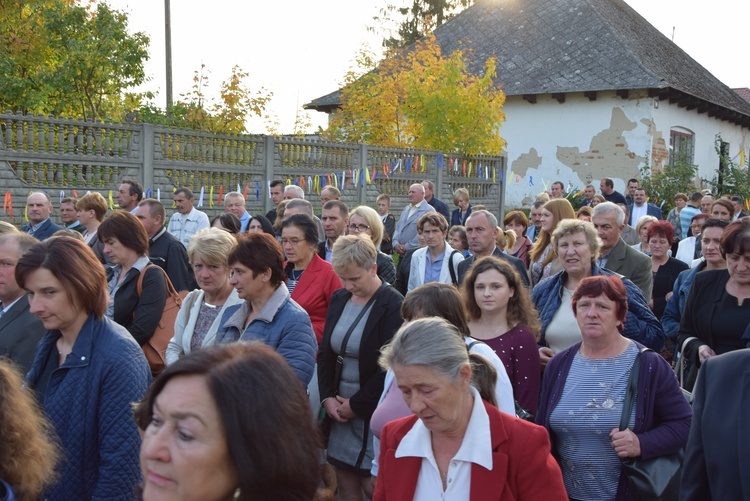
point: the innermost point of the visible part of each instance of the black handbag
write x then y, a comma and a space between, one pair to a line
655, 479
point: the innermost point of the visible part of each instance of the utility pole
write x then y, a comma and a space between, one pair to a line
168, 44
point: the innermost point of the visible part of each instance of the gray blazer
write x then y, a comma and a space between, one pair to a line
406, 227
635, 265
20, 331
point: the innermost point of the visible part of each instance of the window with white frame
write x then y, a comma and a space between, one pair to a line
681, 146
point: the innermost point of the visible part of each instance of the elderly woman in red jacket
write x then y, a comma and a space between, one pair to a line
456, 446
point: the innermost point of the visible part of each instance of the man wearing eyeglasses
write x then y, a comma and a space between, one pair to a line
335, 218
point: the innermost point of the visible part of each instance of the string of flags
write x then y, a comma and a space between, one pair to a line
213, 195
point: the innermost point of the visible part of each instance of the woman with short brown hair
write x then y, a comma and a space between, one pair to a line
87, 371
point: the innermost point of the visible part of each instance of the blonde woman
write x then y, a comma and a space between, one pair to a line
461, 200
542, 255
365, 220
200, 315
641, 228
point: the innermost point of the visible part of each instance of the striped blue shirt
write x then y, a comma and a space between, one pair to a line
590, 406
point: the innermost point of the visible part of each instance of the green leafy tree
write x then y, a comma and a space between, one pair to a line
420, 98
61, 57
735, 179
226, 115
662, 185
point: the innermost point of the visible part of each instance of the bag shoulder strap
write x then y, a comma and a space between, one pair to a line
630, 393
345, 341
470, 345
171, 291
451, 270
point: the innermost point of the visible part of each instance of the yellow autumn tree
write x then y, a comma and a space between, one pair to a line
422, 99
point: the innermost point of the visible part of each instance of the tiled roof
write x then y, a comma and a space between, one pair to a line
744, 93
562, 46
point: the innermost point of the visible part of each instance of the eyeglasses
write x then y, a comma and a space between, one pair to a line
293, 241
358, 228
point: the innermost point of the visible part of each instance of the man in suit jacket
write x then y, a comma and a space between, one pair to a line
589, 192
535, 221
69, 215
438, 205
482, 230
717, 457
405, 236
389, 223
615, 255
38, 209
641, 207
20, 331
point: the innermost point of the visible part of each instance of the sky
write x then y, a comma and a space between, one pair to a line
301, 49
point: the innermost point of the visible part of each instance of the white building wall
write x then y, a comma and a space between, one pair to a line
705, 129
581, 141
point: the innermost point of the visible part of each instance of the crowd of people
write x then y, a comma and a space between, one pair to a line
355, 355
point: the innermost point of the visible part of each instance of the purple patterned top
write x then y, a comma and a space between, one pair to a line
518, 350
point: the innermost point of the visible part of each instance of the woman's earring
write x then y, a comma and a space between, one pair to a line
236, 493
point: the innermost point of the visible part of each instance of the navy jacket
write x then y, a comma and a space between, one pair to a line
457, 220
717, 457
651, 210
440, 207
46, 230
640, 323
670, 320
88, 401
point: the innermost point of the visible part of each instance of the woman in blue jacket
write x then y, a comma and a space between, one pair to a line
87, 372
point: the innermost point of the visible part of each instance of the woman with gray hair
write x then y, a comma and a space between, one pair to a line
455, 444
577, 245
362, 317
200, 314
365, 220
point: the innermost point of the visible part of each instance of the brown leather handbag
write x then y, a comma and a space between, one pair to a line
156, 347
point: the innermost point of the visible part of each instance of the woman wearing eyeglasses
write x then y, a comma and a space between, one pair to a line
310, 279
365, 220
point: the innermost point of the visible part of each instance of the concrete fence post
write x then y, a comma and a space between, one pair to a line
147, 156
269, 150
362, 186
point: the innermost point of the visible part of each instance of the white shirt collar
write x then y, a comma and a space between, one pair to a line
475, 448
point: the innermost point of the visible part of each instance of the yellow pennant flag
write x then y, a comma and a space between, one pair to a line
211, 196
111, 201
